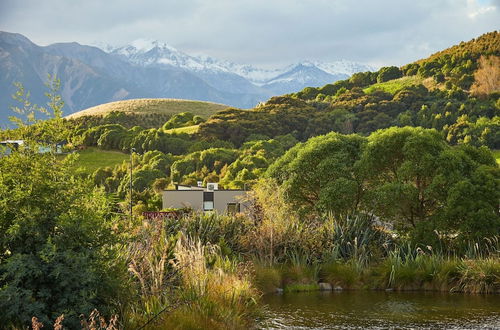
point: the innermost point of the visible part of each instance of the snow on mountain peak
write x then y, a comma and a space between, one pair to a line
146, 52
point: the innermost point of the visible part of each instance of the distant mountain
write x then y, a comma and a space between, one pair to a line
147, 69
300, 76
226, 75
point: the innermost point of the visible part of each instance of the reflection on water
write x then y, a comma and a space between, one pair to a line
380, 310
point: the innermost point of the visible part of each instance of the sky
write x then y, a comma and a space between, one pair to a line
266, 33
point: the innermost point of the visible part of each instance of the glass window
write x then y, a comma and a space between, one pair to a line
208, 205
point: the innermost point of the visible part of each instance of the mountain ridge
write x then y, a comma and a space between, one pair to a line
92, 75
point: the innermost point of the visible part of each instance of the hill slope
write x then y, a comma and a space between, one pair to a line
152, 106
455, 91
90, 76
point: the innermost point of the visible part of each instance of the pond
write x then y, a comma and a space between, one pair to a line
380, 310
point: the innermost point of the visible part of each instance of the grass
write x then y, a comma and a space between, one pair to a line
91, 159
395, 85
188, 130
496, 154
145, 106
346, 275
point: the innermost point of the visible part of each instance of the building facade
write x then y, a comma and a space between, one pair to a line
205, 199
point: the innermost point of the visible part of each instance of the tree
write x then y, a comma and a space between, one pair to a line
487, 77
37, 125
57, 246
58, 250
420, 184
322, 175
388, 73
402, 163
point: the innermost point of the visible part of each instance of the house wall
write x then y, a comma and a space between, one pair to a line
183, 198
223, 197
194, 199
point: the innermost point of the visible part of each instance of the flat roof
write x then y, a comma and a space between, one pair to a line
187, 190
13, 141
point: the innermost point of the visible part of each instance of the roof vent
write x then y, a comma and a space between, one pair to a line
200, 184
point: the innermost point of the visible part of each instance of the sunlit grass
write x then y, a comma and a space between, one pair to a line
91, 159
145, 106
188, 130
393, 86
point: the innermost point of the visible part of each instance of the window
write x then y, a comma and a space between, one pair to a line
208, 205
233, 208
208, 201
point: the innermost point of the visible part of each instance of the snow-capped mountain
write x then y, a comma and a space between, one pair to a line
306, 73
93, 75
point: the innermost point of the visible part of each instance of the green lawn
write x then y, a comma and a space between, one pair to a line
91, 159
393, 86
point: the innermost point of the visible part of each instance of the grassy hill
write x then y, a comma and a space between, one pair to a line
152, 106
91, 159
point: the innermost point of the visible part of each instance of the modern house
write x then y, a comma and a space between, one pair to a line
8, 146
208, 198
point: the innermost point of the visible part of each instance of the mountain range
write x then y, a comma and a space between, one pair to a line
93, 75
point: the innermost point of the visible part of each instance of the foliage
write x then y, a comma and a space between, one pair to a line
182, 119
408, 176
320, 175
53, 223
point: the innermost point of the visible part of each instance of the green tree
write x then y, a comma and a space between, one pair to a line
420, 184
388, 73
57, 246
321, 175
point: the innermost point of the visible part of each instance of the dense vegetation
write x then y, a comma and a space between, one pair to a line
384, 180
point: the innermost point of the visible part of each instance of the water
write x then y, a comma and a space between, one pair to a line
380, 310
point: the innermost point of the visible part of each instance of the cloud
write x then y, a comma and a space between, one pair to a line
270, 32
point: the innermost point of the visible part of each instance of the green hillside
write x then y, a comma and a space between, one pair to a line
91, 159
455, 91
395, 85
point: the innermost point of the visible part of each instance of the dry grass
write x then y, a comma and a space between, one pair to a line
487, 77
145, 106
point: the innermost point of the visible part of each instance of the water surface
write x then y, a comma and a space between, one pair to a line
380, 310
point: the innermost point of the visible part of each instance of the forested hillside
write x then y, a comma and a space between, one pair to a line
455, 91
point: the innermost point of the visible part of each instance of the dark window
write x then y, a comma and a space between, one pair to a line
208, 201
208, 196
233, 208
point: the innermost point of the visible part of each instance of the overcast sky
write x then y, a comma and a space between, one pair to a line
262, 32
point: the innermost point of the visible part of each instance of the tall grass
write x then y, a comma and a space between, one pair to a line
184, 280
217, 290
409, 268
207, 271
